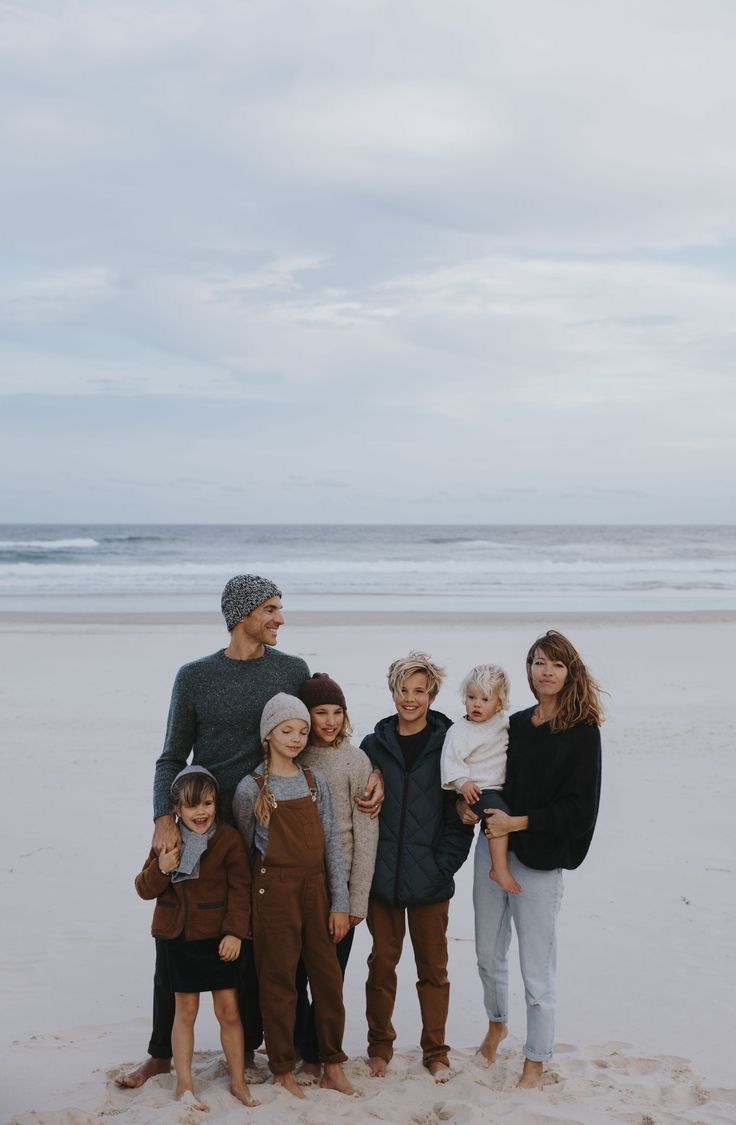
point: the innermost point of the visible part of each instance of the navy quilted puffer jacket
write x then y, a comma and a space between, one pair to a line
421, 842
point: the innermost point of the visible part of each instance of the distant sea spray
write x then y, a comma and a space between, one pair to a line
498, 567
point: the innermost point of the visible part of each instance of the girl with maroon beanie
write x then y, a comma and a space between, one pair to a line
346, 770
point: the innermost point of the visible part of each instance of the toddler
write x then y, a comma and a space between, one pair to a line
474, 756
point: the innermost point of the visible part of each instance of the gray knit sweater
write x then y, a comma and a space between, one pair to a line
215, 716
285, 789
347, 770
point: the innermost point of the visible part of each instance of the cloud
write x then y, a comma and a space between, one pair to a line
414, 239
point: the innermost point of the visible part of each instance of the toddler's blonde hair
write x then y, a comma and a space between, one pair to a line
492, 681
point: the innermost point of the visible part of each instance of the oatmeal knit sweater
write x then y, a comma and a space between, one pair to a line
346, 771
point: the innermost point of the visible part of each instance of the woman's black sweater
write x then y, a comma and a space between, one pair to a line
555, 780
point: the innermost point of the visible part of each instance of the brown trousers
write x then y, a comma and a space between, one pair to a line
428, 933
290, 920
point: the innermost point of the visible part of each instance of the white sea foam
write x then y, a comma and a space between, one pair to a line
357, 567
519, 564
47, 544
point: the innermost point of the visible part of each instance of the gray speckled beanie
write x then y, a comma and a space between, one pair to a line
280, 708
243, 594
193, 771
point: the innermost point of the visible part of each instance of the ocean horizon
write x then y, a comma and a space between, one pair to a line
97, 567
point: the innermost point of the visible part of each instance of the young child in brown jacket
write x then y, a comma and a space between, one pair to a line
202, 892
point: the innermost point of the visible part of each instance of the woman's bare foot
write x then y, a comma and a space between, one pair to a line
309, 1074
240, 1091
440, 1071
289, 1082
531, 1076
190, 1100
505, 879
334, 1079
377, 1067
141, 1073
495, 1034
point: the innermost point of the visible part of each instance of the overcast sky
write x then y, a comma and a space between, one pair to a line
374, 261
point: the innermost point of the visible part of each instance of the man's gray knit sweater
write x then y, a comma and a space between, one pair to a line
215, 716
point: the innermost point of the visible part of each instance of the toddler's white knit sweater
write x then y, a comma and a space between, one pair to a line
476, 752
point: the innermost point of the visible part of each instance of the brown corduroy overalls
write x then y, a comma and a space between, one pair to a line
290, 920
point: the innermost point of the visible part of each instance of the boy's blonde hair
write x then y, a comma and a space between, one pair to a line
492, 681
401, 669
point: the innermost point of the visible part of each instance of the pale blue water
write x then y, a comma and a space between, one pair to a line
503, 568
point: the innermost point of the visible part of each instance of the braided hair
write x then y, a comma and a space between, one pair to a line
265, 801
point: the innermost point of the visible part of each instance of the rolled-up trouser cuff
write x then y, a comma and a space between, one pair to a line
330, 1060
379, 1052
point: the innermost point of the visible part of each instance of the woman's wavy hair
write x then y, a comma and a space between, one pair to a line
580, 698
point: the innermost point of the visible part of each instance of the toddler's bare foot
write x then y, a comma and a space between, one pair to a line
240, 1091
141, 1073
309, 1074
190, 1100
378, 1067
506, 880
440, 1071
289, 1082
495, 1034
334, 1079
531, 1076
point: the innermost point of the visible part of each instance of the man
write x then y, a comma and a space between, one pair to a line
215, 715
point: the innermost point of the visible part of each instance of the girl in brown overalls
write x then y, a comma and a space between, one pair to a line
300, 895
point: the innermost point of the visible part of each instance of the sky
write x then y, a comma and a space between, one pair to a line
406, 261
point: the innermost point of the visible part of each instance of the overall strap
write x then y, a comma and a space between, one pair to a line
258, 778
309, 777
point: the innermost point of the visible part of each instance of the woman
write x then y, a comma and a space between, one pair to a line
552, 789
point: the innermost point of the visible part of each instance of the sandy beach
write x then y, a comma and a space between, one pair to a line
647, 979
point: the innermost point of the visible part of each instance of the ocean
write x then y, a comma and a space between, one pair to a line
165, 567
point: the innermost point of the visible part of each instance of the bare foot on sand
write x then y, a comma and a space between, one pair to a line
495, 1034
289, 1082
378, 1067
334, 1079
253, 1073
440, 1071
189, 1099
505, 880
243, 1094
309, 1074
531, 1076
140, 1074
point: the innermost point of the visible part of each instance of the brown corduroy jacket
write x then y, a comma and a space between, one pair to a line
215, 904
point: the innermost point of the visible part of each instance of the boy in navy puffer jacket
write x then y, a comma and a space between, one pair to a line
421, 845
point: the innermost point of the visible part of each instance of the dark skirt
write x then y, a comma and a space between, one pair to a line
195, 966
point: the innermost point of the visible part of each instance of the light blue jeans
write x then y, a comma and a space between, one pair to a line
534, 913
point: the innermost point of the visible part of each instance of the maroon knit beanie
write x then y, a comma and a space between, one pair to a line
319, 689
